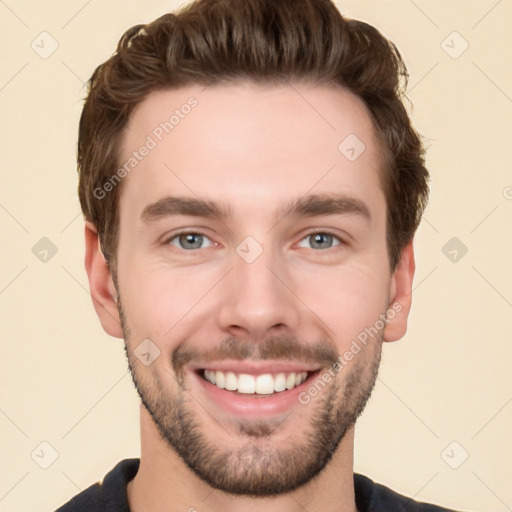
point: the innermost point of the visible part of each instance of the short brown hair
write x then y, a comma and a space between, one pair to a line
265, 41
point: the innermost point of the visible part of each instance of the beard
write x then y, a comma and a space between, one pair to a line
258, 465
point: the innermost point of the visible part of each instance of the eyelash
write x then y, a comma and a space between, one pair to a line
194, 252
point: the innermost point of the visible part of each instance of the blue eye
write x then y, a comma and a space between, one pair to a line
189, 241
321, 240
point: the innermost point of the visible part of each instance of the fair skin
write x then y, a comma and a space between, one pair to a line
252, 149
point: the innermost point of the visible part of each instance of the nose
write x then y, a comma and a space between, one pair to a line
258, 299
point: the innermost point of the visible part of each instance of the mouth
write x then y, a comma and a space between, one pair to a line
264, 384
252, 390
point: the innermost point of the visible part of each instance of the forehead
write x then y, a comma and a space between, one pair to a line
249, 145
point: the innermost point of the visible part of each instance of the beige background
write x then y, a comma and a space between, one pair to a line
65, 382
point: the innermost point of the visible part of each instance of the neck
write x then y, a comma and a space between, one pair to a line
164, 483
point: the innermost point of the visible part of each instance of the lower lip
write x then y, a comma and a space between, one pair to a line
253, 405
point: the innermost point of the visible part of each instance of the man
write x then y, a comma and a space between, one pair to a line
251, 185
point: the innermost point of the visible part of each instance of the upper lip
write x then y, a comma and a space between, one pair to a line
256, 367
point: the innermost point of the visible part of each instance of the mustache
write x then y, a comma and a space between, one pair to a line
284, 348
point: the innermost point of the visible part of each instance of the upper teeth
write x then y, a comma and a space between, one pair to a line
264, 384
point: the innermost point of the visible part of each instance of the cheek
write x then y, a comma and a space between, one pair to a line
157, 297
348, 300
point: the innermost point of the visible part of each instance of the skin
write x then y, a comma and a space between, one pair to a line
253, 148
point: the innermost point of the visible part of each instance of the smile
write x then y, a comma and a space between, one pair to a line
263, 384
251, 389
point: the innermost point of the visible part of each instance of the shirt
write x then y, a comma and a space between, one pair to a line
110, 495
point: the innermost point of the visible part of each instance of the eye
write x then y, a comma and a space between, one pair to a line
189, 241
321, 240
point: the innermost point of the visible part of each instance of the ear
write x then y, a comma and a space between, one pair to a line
101, 283
400, 296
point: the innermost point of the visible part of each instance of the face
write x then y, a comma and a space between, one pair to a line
252, 260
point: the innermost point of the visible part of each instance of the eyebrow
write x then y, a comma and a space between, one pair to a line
307, 206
